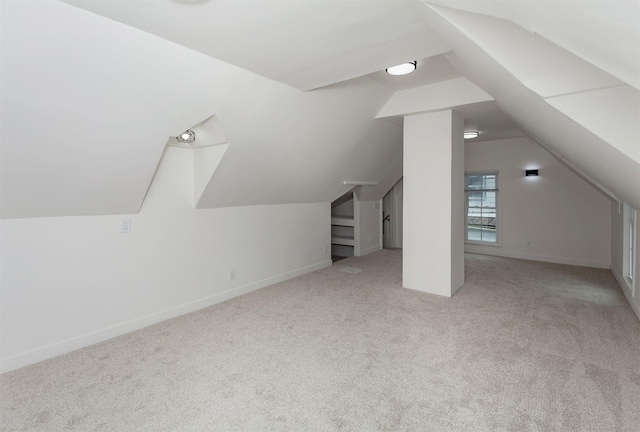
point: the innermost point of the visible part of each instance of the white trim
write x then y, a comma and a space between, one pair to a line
627, 294
174, 143
359, 183
531, 257
369, 250
39, 354
629, 246
481, 243
629, 284
391, 235
356, 227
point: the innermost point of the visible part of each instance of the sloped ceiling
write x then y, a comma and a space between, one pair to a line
90, 94
603, 33
306, 44
586, 132
302, 145
88, 105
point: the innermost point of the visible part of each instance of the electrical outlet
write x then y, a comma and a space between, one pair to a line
125, 225
325, 249
232, 274
369, 239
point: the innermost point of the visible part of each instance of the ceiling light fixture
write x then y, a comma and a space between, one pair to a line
403, 69
187, 136
471, 134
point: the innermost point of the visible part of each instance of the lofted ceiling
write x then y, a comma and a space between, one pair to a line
351, 39
295, 87
603, 33
305, 44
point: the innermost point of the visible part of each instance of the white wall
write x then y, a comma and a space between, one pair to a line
69, 282
456, 186
345, 208
433, 259
565, 219
631, 291
122, 99
432, 97
133, 87
368, 237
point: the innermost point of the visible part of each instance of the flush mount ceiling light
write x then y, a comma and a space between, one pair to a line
402, 69
187, 136
471, 134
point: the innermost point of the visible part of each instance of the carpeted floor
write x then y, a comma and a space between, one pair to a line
523, 346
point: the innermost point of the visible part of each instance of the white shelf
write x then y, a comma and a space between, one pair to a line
342, 220
342, 240
343, 226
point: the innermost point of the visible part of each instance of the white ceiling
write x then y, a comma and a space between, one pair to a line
310, 44
604, 33
306, 44
584, 129
295, 87
428, 71
313, 43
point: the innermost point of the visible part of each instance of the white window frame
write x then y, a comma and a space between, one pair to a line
630, 216
498, 242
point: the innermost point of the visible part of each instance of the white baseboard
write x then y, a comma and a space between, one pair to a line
367, 251
625, 290
68, 345
532, 257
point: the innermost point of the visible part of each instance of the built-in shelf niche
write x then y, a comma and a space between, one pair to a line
343, 226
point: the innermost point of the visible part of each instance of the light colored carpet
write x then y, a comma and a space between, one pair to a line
524, 346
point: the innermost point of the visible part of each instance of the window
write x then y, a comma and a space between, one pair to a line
481, 192
629, 234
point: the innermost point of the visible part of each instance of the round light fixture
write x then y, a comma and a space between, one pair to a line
471, 134
402, 69
187, 136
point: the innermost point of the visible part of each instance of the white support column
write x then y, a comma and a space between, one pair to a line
433, 238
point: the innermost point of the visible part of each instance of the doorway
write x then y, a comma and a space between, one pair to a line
392, 218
